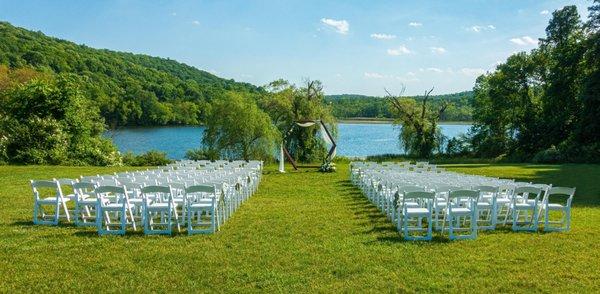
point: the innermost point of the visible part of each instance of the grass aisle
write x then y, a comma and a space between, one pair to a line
302, 231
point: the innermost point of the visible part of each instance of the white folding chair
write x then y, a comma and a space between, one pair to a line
159, 209
412, 217
564, 208
461, 203
113, 200
86, 204
487, 207
48, 194
525, 200
399, 202
201, 202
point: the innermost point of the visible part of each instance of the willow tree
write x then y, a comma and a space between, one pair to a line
237, 128
419, 133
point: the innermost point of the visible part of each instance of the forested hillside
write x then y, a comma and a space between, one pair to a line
129, 89
351, 105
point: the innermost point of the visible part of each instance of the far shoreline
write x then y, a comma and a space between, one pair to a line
361, 120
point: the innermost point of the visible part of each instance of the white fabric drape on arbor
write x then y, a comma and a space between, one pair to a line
327, 140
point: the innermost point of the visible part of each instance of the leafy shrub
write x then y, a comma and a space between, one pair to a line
150, 158
202, 154
49, 121
573, 152
550, 155
459, 146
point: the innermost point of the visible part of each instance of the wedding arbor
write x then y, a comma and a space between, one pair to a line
325, 135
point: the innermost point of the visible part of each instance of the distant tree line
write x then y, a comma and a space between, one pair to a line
459, 106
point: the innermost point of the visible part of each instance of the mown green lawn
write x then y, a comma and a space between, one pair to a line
302, 231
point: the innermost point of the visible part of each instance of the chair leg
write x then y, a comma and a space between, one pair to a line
56, 213
64, 205
35, 213
123, 220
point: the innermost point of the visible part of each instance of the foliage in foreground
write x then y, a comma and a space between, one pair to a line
301, 232
46, 120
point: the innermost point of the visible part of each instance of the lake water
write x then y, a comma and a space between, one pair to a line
354, 139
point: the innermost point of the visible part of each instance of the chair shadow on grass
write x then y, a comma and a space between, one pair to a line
385, 230
84, 231
581, 176
381, 226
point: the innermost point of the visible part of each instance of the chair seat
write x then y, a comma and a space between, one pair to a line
157, 206
483, 205
460, 210
88, 201
51, 200
198, 206
502, 200
417, 212
112, 207
524, 206
555, 206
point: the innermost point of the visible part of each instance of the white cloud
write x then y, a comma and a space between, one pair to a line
399, 51
474, 72
415, 24
383, 36
196, 23
173, 13
437, 50
524, 41
374, 75
544, 12
409, 77
435, 69
480, 28
340, 26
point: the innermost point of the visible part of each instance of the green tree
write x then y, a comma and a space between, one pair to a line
419, 133
238, 129
50, 122
588, 130
564, 48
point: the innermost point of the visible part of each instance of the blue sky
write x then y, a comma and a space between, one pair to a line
357, 47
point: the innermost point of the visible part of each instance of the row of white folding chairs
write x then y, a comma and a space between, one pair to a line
89, 205
240, 188
495, 196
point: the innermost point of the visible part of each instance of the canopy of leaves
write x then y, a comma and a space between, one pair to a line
419, 133
545, 101
238, 129
48, 121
